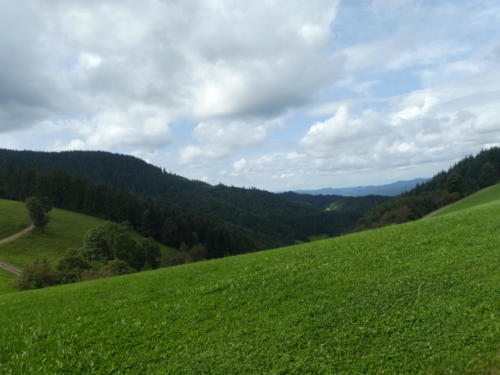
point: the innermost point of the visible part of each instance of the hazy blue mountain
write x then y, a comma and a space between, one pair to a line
392, 189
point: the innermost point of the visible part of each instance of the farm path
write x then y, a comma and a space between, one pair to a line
18, 234
7, 267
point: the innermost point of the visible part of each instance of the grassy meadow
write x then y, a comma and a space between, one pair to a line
6, 279
484, 196
416, 298
13, 217
65, 230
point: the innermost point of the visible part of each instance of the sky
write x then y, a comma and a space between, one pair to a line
274, 94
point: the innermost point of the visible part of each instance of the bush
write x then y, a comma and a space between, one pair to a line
168, 260
151, 252
70, 267
197, 252
116, 267
36, 275
114, 241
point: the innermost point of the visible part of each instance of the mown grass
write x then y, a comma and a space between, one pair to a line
64, 231
13, 217
417, 298
482, 197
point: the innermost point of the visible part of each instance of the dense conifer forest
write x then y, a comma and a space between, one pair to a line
165, 223
182, 213
174, 210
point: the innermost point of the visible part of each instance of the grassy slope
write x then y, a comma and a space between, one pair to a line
6, 279
417, 298
482, 197
65, 230
13, 217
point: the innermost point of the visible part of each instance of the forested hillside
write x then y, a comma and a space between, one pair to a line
339, 203
270, 219
167, 224
464, 178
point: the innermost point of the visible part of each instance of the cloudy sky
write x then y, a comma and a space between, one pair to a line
276, 94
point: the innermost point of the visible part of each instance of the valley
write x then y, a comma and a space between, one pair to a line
416, 297
276, 187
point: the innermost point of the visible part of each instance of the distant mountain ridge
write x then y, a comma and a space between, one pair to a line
389, 190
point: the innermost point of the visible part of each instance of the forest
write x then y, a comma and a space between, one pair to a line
165, 223
464, 178
124, 188
226, 220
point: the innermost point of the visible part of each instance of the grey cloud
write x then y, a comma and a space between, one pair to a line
204, 60
27, 93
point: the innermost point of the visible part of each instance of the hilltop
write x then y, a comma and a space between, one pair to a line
415, 298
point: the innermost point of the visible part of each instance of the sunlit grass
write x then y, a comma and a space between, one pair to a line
417, 298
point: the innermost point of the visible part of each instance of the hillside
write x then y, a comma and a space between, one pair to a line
13, 218
354, 205
64, 231
151, 218
416, 298
466, 177
484, 196
390, 190
270, 218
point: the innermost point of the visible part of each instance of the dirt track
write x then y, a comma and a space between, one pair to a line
18, 234
8, 267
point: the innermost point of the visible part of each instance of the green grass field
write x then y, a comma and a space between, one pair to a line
65, 230
482, 197
13, 217
6, 279
416, 298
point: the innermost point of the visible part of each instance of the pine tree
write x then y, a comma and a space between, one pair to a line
487, 175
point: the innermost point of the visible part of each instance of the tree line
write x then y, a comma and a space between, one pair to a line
167, 224
464, 178
274, 220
